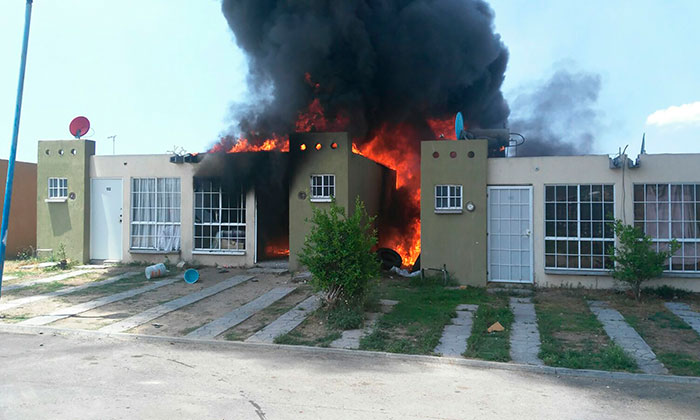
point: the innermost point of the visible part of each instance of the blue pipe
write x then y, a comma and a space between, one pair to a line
13, 148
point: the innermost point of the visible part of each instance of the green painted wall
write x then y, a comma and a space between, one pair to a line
305, 163
456, 240
66, 223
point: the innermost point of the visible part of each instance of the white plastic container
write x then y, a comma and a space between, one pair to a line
157, 270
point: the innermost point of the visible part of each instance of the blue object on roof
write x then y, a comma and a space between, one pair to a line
459, 125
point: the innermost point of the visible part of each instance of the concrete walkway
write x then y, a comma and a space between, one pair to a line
626, 337
684, 312
31, 299
524, 335
160, 310
96, 303
240, 314
286, 322
58, 277
350, 339
454, 337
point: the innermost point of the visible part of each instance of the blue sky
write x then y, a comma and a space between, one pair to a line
161, 73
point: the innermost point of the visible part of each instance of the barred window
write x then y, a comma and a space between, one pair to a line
322, 187
579, 222
219, 217
58, 187
671, 211
155, 214
448, 197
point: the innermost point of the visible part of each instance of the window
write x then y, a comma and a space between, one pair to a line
322, 187
668, 211
448, 198
58, 188
155, 214
219, 217
579, 222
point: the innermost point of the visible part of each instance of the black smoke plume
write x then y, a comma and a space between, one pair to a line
558, 117
369, 63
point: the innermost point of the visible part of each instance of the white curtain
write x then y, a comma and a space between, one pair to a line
155, 214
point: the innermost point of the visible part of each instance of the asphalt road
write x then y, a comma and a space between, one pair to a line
91, 377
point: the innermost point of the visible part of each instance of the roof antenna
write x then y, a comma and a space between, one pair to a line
643, 151
112, 137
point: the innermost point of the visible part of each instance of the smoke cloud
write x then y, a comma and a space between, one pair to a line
369, 63
558, 117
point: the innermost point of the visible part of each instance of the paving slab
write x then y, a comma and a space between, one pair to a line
240, 314
160, 310
96, 303
453, 342
626, 337
8, 278
268, 270
31, 299
350, 339
59, 277
524, 335
287, 322
683, 311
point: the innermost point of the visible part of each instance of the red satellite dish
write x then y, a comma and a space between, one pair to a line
79, 127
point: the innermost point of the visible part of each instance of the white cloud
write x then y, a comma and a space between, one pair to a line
683, 114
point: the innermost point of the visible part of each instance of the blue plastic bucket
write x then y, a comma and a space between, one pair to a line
191, 276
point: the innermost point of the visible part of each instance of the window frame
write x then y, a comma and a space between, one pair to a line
58, 189
449, 208
607, 237
156, 209
669, 223
240, 225
322, 198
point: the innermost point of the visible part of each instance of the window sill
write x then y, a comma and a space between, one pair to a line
321, 200
574, 272
449, 211
200, 252
152, 251
681, 275
56, 200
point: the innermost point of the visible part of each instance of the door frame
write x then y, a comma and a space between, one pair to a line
530, 189
121, 228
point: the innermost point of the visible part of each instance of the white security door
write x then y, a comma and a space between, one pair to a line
510, 234
106, 219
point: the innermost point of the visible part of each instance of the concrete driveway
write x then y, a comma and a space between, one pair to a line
97, 376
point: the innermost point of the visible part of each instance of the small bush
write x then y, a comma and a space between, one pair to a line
338, 253
666, 292
635, 260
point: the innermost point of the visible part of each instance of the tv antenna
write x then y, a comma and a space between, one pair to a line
113, 138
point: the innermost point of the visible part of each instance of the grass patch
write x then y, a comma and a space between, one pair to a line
345, 317
572, 337
38, 288
116, 287
14, 318
665, 319
296, 338
415, 325
493, 346
680, 364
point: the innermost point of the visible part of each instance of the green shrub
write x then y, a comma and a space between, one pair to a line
338, 253
635, 260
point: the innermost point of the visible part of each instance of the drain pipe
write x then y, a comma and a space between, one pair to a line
13, 148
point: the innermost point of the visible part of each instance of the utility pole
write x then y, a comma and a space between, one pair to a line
112, 137
13, 147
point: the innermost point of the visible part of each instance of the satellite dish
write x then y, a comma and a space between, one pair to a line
79, 127
459, 125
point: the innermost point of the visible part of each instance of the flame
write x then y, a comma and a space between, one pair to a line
274, 251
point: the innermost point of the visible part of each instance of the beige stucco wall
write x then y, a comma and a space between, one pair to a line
135, 166
455, 240
539, 171
21, 232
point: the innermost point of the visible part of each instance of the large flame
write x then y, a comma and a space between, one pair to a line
394, 146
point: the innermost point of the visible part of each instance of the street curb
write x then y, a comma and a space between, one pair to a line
435, 360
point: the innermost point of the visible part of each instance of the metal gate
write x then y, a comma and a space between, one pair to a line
510, 234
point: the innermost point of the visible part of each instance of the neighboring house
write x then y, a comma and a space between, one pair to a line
548, 221
21, 233
210, 208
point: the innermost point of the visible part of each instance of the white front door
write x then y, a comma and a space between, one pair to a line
106, 219
510, 234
